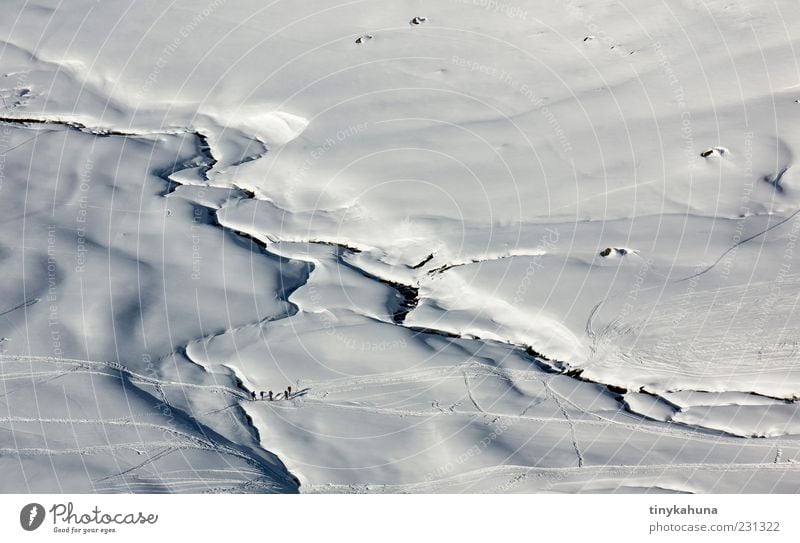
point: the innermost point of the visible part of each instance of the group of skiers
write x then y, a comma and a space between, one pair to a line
287, 395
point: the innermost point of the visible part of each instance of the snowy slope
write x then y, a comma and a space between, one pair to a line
544, 246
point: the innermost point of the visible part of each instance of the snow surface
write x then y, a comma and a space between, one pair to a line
534, 247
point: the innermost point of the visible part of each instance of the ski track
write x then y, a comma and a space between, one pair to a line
469, 393
551, 476
742, 242
715, 334
568, 419
180, 439
112, 369
631, 422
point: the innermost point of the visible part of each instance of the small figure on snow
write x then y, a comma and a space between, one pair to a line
286, 394
269, 395
253, 395
290, 390
262, 395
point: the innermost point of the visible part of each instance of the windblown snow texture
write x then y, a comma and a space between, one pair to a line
533, 247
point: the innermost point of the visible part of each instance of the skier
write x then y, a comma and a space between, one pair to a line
270, 395
286, 394
253, 395
262, 395
290, 391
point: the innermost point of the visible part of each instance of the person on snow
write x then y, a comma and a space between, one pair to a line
290, 391
262, 395
253, 395
286, 394
269, 395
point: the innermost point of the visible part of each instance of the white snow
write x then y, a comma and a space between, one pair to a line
483, 246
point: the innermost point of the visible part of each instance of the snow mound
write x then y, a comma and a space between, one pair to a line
273, 127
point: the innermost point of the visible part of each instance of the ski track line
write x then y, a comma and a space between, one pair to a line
192, 442
151, 458
116, 367
346, 384
548, 473
682, 431
636, 424
735, 245
158, 384
469, 393
549, 391
134, 446
674, 429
